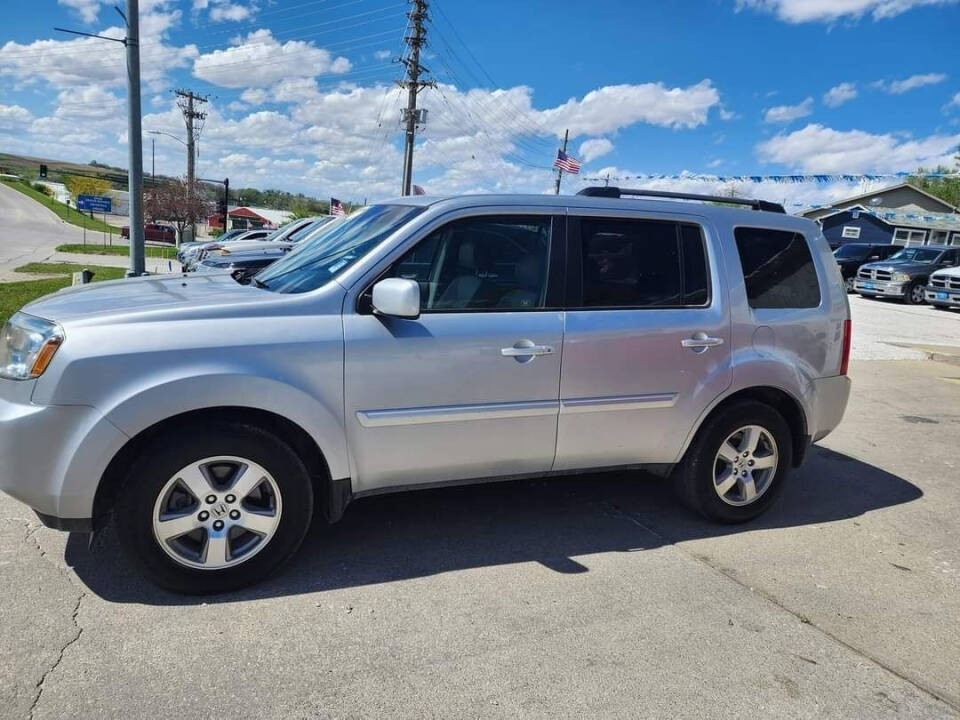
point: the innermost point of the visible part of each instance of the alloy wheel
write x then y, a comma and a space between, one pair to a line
217, 512
745, 465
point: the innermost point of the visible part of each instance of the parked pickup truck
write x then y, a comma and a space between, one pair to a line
851, 256
904, 275
153, 232
943, 291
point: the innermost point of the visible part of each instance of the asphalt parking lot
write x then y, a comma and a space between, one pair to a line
593, 596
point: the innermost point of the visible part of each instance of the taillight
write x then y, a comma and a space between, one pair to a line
847, 333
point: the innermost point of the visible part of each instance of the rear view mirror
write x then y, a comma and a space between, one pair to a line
397, 297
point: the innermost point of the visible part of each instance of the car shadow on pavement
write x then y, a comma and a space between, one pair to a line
551, 521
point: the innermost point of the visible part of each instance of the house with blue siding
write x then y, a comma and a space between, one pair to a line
899, 215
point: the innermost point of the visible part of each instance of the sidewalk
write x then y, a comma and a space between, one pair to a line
155, 266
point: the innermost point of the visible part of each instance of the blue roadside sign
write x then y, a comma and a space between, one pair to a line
97, 203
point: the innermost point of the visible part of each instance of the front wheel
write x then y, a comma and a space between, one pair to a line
213, 508
915, 294
849, 284
737, 463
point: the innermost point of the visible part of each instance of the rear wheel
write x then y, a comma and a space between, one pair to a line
737, 463
915, 294
848, 283
214, 508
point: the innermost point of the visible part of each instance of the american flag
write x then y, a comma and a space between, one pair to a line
336, 208
567, 163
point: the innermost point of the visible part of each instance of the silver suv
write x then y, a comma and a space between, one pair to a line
420, 342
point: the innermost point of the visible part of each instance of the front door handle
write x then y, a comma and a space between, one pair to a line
701, 342
526, 348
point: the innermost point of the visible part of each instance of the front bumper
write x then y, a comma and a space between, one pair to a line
942, 296
879, 288
53, 456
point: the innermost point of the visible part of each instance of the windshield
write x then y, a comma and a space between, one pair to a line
851, 252
924, 255
324, 256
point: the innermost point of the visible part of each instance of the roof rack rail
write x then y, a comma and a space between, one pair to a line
615, 192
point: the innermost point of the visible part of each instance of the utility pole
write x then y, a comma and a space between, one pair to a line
186, 100
138, 264
412, 117
566, 137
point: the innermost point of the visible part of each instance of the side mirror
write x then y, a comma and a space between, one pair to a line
397, 297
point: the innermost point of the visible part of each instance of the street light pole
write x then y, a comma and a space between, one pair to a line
135, 141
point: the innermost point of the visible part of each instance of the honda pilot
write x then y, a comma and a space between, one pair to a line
422, 342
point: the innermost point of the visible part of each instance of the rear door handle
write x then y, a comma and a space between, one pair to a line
701, 342
523, 349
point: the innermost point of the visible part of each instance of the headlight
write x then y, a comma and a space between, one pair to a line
900, 277
27, 345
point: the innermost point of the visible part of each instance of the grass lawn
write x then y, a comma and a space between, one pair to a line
96, 249
69, 214
15, 295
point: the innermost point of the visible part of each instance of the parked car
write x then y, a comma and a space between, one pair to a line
153, 232
943, 290
244, 265
281, 238
416, 343
852, 255
190, 257
186, 247
904, 275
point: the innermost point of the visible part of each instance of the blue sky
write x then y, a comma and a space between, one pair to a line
297, 88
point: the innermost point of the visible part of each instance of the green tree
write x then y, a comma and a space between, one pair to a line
80, 185
947, 188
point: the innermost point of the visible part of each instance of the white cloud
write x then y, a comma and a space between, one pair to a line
229, 12
14, 116
254, 96
259, 60
87, 61
800, 11
614, 106
86, 9
788, 113
591, 149
840, 94
898, 87
819, 149
955, 102
382, 54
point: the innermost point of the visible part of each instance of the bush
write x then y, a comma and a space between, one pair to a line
40, 187
215, 232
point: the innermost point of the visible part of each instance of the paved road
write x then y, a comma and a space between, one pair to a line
594, 596
30, 231
882, 327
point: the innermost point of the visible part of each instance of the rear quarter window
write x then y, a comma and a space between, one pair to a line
778, 268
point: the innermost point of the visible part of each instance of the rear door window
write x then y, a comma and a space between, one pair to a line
778, 268
630, 263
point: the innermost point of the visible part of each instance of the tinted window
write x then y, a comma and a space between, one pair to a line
777, 269
642, 263
481, 263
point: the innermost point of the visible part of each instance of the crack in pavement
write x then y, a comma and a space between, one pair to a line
39, 687
952, 703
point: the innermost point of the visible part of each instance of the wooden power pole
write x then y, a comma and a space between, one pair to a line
566, 137
411, 116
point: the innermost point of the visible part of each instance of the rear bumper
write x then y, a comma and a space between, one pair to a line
832, 394
54, 456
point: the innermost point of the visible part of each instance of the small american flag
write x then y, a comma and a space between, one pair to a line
336, 208
567, 163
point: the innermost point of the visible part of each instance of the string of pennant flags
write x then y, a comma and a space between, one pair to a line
782, 179
882, 215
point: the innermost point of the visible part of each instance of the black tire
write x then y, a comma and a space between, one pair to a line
848, 284
166, 456
909, 298
940, 307
693, 477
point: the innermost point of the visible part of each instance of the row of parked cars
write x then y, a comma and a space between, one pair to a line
247, 252
914, 275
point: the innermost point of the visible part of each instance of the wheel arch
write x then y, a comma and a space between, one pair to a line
780, 400
332, 495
